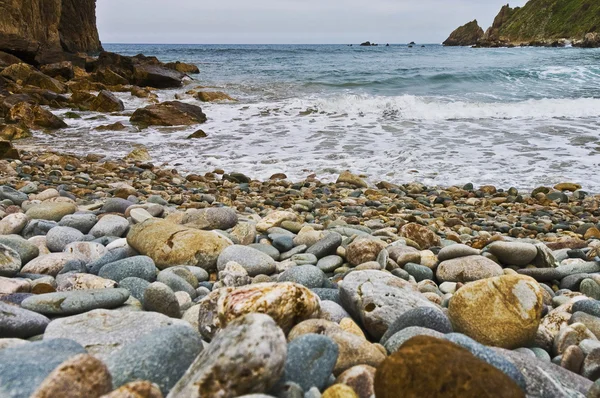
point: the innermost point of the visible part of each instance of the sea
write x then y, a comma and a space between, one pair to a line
442, 116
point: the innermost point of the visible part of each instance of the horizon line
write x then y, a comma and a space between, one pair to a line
270, 44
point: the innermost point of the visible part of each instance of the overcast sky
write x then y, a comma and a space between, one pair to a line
288, 21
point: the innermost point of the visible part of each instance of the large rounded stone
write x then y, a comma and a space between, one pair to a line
310, 361
171, 245
75, 302
353, 349
212, 218
378, 299
20, 323
423, 236
429, 367
52, 211
246, 357
503, 311
103, 332
161, 356
59, 237
83, 222
363, 250
305, 275
25, 366
77, 377
13, 223
137, 267
10, 261
110, 225
254, 261
513, 253
287, 303
49, 264
467, 269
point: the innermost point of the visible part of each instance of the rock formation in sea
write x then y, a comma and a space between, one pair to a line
30, 28
466, 35
549, 23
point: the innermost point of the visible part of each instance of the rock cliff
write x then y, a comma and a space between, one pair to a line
30, 26
466, 35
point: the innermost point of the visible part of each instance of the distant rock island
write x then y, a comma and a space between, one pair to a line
545, 23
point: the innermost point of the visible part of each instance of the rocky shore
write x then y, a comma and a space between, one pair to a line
124, 279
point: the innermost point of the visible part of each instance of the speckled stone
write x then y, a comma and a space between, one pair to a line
75, 302
310, 361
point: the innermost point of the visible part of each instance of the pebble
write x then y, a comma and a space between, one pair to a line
222, 218
330, 263
246, 357
310, 361
10, 261
51, 211
426, 317
75, 302
27, 250
49, 264
13, 224
326, 246
456, 251
254, 261
363, 250
419, 272
396, 341
17, 322
82, 222
361, 379
306, 275
513, 253
138, 267
110, 225
59, 237
159, 297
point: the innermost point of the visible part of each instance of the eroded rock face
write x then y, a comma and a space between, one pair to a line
466, 35
504, 311
378, 299
28, 26
287, 303
246, 357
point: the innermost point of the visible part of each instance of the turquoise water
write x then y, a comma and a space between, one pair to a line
511, 117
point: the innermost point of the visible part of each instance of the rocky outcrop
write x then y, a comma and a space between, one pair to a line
31, 27
466, 35
547, 23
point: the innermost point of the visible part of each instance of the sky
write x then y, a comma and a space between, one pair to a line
289, 21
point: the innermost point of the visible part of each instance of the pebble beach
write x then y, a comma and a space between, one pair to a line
121, 278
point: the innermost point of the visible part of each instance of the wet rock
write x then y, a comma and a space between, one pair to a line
349, 178
171, 113
34, 116
75, 302
246, 357
213, 96
503, 311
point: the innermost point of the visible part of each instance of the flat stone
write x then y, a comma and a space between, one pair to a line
49, 264
13, 195
138, 266
20, 323
222, 218
83, 222
310, 361
246, 357
37, 228
267, 249
419, 272
467, 269
326, 246
136, 287
161, 356
24, 367
51, 211
88, 252
254, 261
103, 332
330, 263
75, 302
456, 251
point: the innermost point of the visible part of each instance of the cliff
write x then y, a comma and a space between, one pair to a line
466, 35
30, 26
546, 23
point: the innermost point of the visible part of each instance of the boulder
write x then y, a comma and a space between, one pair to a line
426, 366
107, 102
34, 116
60, 69
156, 76
183, 67
38, 79
213, 96
12, 132
287, 303
8, 151
170, 244
171, 113
466, 35
504, 311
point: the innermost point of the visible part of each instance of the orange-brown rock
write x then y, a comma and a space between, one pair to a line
287, 303
361, 378
420, 234
136, 389
429, 367
82, 376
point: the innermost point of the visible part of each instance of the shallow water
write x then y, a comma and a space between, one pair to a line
511, 117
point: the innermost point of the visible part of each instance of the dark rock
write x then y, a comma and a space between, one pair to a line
107, 102
171, 113
138, 266
466, 35
156, 76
